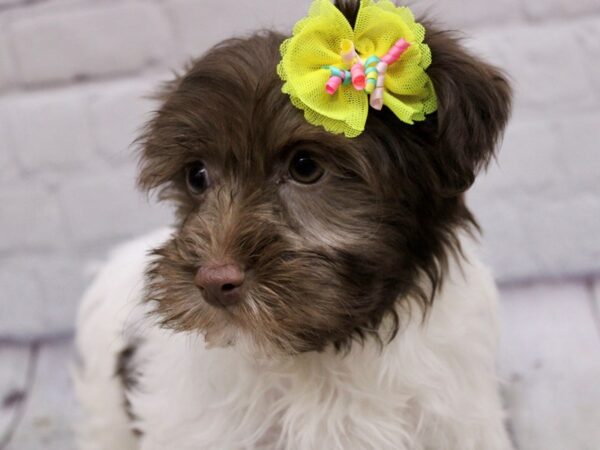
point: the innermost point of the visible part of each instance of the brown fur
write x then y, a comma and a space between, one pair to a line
127, 374
325, 262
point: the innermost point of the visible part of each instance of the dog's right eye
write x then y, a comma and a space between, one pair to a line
197, 177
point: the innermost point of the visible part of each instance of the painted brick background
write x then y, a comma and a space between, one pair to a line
74, 81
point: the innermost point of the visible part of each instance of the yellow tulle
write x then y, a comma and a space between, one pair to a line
316, 43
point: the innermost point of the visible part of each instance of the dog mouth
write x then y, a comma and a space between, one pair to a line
285, 300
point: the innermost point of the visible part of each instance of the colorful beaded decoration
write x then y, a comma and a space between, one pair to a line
380, 59
369, 75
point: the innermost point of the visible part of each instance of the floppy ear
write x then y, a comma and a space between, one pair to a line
474, 102
158, 158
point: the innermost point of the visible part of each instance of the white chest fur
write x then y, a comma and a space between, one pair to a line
432, 387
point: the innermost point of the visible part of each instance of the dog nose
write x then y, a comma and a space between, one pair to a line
221, 284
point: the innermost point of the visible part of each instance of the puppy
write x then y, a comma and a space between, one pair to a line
316, 291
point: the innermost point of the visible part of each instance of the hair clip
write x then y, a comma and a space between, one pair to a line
382, 61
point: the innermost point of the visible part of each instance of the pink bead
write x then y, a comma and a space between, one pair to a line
358, 76
388, 59
382, 67
396, 51
333, 85
402, 44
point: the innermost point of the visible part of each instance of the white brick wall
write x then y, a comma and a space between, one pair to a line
50, 131
74, 73
88, 41
31, 219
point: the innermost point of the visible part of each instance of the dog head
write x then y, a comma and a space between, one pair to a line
296, 237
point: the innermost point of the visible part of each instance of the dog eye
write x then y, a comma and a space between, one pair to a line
305, 169
197, 177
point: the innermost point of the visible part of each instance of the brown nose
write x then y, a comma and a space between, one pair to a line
221, 284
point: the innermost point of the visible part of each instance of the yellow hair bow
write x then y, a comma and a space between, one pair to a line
333, 72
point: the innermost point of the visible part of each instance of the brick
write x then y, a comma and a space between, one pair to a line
506, 246
482, 47
558, 9
544, 81
579, 144
542, 234
30, 218
8, 169
106, 207
13, 379
6, 64
117, 116
51, 131
565, 233
63, 279
468, 13
108, 39
202, 24
549, 358
529, 160
52, 409
22, 301
588, 34
41, 292
8, 165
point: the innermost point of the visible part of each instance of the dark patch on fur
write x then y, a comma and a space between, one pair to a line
326, 263
127, 374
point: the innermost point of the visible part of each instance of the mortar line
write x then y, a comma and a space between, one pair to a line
47, 339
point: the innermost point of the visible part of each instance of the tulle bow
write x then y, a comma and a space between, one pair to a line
334, 73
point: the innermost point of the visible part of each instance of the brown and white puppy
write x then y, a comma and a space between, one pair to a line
332, 273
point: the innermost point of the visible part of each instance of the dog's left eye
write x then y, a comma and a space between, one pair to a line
305, 169
197, 177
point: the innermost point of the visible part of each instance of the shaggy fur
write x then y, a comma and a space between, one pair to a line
387, 212
344, 277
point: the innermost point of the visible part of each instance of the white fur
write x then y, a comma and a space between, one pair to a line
433, 387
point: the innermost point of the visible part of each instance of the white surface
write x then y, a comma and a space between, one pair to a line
51, 409
550, 360
13, 376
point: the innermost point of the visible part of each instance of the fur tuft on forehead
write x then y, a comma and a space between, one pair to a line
328, 262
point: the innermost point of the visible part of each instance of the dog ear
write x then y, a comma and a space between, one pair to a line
474, 102
157, 157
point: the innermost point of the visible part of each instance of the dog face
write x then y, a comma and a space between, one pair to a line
310, 238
